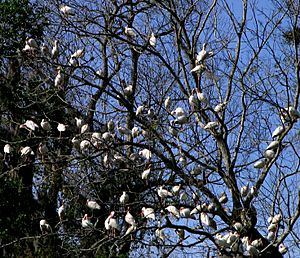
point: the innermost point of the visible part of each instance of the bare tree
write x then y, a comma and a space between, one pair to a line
181, 128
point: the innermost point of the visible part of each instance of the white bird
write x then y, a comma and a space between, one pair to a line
244, 190
55, 49
176, 189
128, 90
271, 236
32, 43
129, 218
129, 32
163, 193
204, 218
59, 79
25, 151
45, 227
167, 103
178, 112
200, 96
193, 100
84, 145
79, 122
78, 53
124, 198
237, 226
7, 149
220, 107
181, 120
294, 114
135, 131
278, 131
44, 50
84, 128
146, 173
45, 125
269, 154
211, 125
61, 128
76, 143
130, 230
282, 249
43, 149
198, 68
159, 233
260, 163
86, 222
223, 198
73, 61
273, 145
66, 10
93, 205
272, 227
276, 219
145, 153
139, 110
173, 210
29, 125
61, 211
152, 40
203, 54
110, 125
107, 136
148, 213
111, 224
196, 210
185, 212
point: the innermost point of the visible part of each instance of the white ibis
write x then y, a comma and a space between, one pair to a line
110, 125
55, 49
271, 236
211, 125
159, 233
198, 68
152, 40
78, 53
269, 154
278, 131
61, 128
61, 211
163, 193
176, 189
220, 107
59, 79
181, 120
7, 149
273, 145
107, 136
173, 210
84, 128
193, 100
73, 61
276, 219
148, 213
244, 190
135, 132
93, 205
45, 125
178, 112
43, 149
128, 90
282, 249
146, 173
203, 54
30, 126
145, 153
139, 110
86, 222
200, 96
84, 145
129, 218
223, 198
79, 122
111, 224
67, 10
25, 151
130, 230
185, 212
124, 198
31, 43
167, 103
129, 32
45, 227
204, 218
260, 163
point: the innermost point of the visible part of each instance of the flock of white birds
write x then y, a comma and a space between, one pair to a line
230, 241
